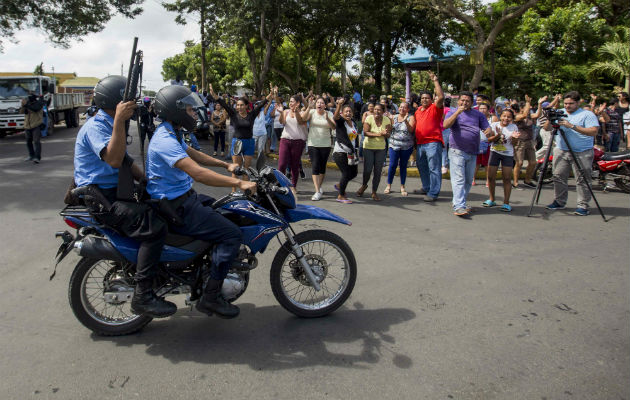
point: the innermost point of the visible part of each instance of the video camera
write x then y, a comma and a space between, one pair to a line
554, 115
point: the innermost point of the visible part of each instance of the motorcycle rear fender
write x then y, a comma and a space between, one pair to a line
302, 212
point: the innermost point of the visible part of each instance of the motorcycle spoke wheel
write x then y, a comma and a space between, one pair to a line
95, 283
90, 281
333, 265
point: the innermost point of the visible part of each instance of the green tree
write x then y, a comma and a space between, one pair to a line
470, 13
39, 69
615, 56
197, 7
62, 20
559, 43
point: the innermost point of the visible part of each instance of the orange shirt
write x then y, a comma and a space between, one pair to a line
429, 125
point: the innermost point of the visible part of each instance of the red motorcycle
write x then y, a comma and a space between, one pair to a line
606, 167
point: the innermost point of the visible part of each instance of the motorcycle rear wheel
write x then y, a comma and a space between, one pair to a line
624, 183
332, 262
90, 279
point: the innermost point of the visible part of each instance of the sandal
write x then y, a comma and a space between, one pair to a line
387, 190
489, 203
361, 190
375, 197
403, 192
506, 208
344, 201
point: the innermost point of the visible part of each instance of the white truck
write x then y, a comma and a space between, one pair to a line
61, 106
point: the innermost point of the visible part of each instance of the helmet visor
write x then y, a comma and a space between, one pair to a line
191, 100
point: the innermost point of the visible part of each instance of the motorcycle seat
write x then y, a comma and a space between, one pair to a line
620, 155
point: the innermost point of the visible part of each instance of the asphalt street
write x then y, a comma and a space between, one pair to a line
497, 306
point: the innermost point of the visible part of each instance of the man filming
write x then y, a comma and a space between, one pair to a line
580, 128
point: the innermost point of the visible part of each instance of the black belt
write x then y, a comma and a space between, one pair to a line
178, 201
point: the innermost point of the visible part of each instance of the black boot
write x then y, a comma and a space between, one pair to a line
212, 302
145, 302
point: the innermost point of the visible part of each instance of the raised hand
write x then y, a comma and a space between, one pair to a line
528, 99
340, 101
432, 76
542, 99
214, 95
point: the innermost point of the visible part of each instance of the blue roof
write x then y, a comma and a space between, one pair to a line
422, 55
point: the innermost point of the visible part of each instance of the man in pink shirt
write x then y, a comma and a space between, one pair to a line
429, 140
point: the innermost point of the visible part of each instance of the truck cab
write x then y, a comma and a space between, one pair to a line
15, 88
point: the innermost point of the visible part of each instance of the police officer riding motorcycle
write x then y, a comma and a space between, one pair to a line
172, 167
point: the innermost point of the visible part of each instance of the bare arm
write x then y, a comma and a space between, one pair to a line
204, 159
411, 123
525, 111
209, 177
114, 153
337, 113
448, 122
538, 112
437, 88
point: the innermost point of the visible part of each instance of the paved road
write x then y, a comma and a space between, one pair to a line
495, 307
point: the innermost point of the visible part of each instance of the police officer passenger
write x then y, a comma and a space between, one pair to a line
98, 154
172, 167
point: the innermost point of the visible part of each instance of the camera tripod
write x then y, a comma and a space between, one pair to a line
536, 197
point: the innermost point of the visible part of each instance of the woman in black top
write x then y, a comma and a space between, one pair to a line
345, 152
243, 123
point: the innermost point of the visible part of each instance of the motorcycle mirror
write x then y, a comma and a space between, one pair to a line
260, 161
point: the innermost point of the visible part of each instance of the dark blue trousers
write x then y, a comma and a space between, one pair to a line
202, 222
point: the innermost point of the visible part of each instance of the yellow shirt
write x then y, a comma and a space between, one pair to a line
375, 143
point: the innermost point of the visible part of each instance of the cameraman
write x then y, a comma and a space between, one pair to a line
580, 128
33, 108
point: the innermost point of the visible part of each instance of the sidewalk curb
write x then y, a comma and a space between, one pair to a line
411, 171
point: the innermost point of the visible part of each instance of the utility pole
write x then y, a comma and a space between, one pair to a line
202, 23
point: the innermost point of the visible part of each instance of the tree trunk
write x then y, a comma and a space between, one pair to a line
387, 58
343, 75
627, 88
202, 23
377, 52
318, 78
253, 65
476, 79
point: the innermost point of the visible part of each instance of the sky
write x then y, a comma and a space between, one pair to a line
101, 54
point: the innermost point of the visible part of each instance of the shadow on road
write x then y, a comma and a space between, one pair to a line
268, 338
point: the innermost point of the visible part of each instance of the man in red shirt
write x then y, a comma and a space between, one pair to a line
429, 140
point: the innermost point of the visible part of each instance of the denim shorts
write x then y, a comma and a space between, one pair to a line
496, 158
249, 146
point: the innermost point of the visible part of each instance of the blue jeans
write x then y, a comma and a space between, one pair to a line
396, 157
429, 166
613, 143
462, 173
446, 134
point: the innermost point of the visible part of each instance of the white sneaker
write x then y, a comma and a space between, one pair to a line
321, 190
317, 196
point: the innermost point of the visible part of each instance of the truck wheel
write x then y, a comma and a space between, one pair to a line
67, 117
51, 124
75, 117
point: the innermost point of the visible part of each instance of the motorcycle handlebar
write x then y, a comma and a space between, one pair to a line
279, 189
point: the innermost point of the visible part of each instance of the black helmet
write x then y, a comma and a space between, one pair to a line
171, 102
109, 92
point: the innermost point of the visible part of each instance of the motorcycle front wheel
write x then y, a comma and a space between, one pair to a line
333, 264
100, 296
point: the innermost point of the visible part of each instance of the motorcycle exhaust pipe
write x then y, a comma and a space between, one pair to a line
97, 248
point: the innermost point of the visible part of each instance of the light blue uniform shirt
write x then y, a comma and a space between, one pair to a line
166, 180
89, 167
578, 142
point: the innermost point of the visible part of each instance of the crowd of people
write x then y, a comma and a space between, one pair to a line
438, 134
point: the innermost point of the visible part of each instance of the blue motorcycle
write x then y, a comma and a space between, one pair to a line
312, 274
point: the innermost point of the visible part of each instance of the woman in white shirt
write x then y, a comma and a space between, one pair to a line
319, 142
